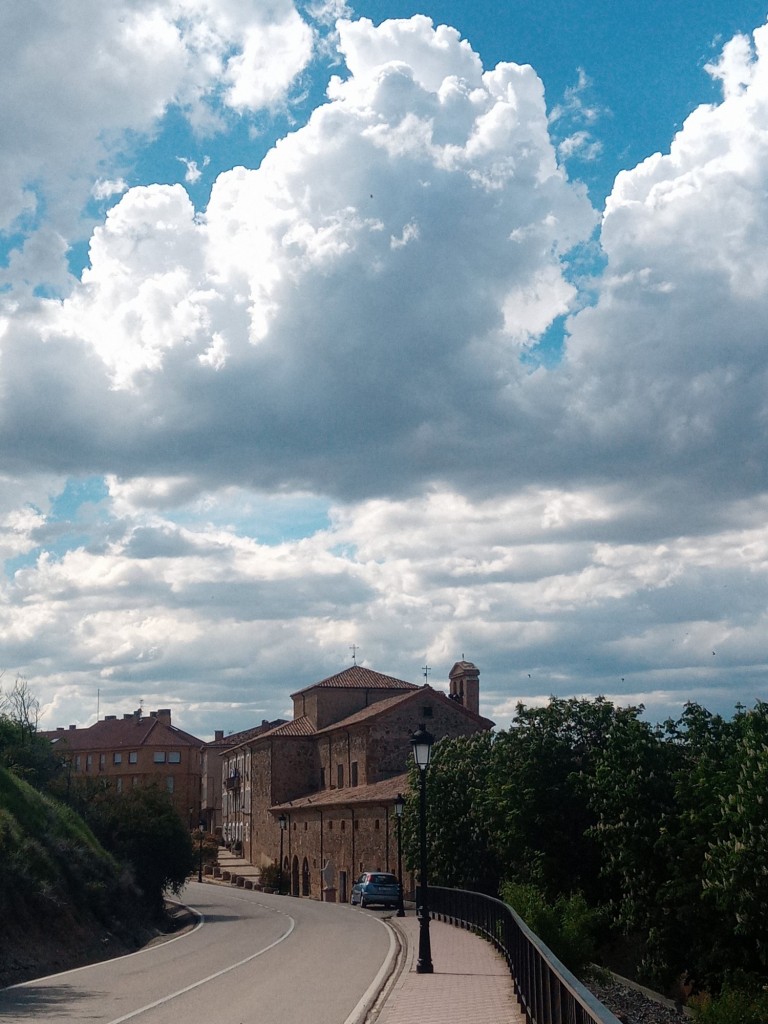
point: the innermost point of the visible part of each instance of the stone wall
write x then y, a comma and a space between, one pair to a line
352, 839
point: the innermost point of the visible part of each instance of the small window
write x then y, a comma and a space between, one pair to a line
135, 780
322, 778
119, 784
340, 776
169, 783
117, 758
305, 826
159, 757
330, 826
426, 711
133, 757
357, 823
376, 824
353, 773
88, 762
174, 757
78, 762
102, 762
343, 825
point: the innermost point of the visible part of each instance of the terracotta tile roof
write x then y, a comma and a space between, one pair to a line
360, 678
234, 739
298, 727
376, 793
381, 706
111, 734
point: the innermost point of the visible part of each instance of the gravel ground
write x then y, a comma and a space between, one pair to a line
633, 1007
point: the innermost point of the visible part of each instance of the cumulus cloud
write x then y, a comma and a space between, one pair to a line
422, 219
343, 331
668, 370
79, 86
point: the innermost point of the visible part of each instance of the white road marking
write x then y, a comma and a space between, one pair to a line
204, 981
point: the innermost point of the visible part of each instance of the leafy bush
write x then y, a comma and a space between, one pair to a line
732, 1006
569, 926
270, 877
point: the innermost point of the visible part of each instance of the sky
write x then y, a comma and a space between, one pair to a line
399, 332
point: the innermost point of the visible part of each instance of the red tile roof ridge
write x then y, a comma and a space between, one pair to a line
234, 739
122, 732
380, 706
384, 791
301, 726
359, 677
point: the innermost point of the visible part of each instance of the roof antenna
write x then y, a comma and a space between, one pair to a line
426, 669
354, 648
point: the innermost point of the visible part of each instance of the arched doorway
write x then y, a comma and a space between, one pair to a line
295, 877
305, 883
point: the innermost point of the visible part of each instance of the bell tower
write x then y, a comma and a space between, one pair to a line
465, 685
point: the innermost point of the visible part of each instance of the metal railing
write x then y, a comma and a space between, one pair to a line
548, 992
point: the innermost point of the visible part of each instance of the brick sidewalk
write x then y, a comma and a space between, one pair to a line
470, 984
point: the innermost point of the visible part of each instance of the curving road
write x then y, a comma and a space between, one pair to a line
252, 959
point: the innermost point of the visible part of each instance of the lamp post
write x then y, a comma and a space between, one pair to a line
421, 742
201, 830
283, 822
399, 805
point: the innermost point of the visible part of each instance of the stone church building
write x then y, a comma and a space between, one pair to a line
334, 772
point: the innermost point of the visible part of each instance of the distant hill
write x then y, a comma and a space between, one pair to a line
64, 900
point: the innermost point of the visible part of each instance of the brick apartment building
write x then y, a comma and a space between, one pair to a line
334, 772
137, 750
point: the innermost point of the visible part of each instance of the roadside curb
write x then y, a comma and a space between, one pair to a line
379, 990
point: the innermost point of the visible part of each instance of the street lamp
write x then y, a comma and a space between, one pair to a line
283, 822
399, 805
421, 742
201, 829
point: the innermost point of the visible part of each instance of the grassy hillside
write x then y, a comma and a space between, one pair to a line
63, 898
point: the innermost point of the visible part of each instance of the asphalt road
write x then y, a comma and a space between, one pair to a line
252, 959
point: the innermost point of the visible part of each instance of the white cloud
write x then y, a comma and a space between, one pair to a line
105, 188
77, 82
348, 320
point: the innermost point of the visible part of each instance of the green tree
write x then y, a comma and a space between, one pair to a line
461, 848
537, 804
22, 749
693, 937
142, 829
735, 874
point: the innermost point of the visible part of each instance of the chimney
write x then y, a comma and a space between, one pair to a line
465, 685
73, 727
218, 736
127, 717
164, 715
109, 718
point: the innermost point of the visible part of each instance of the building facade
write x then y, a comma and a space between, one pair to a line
213, 789
333, 774
136, 750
